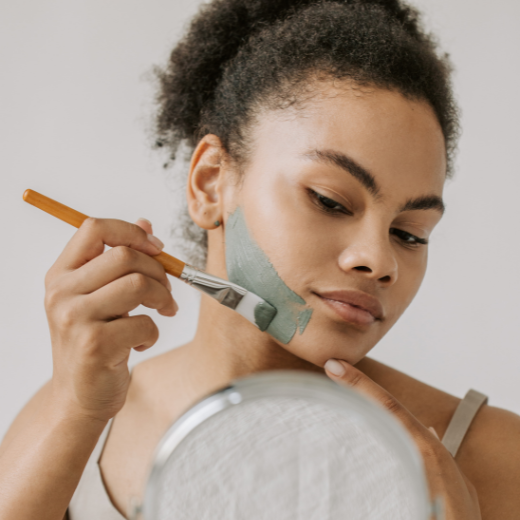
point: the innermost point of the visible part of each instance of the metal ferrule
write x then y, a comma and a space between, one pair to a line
225, 292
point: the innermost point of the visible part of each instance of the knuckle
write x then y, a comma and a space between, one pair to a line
49, 278
123, 255
53, 295
356, 379
92, 225
138, 282
131, 230
70, 314
136, 229
93, 343
391, 404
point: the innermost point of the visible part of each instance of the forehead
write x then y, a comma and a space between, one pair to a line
398, 140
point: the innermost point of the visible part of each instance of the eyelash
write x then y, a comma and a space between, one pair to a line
335, 208
321, 201
406, 237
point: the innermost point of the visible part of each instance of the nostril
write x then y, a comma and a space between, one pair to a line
385, 279
363, 268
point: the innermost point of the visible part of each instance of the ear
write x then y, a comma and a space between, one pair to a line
204, 183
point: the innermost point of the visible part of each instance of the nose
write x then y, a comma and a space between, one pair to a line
371, 255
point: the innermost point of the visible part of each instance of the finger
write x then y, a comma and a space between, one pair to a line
90, 240
124, 334
434, 432
347, 375
113, 264
145, 224
125, 294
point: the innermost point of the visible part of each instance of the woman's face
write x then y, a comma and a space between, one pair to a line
342, 196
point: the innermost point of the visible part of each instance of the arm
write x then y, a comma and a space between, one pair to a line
89, 293
43, 456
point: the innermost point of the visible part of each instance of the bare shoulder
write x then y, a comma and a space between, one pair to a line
490, 458
433, 407
164, 385
160, 370
489, 455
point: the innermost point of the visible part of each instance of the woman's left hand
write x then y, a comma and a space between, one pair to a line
444, 475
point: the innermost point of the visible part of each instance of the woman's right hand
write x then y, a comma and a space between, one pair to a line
89, 293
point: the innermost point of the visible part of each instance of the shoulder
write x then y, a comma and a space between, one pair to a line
490, 458
431, 406
166, 374
156, 372
490, 452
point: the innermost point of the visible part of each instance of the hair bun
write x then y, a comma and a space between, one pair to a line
214, 38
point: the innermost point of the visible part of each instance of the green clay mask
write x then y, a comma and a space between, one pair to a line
248, 266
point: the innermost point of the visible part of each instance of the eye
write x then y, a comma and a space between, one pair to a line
327, 204
408, 238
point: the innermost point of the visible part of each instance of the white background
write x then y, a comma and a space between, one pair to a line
74, 108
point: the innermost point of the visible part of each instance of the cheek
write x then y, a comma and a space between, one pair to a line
281, 221
411, 274
249, 266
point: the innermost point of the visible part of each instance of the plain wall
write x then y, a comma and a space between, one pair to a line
76, 99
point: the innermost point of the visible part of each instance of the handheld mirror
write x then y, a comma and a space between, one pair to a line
286, 446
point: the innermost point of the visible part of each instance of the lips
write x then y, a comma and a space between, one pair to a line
356, 307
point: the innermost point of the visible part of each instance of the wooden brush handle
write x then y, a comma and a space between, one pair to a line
171, 264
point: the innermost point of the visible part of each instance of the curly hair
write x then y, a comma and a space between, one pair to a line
241, 55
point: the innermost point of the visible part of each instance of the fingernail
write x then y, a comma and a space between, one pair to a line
155, 242
335, 367
176, 306
144, 220
432, 429
168, 284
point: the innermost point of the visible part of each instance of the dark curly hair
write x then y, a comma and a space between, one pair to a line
241, 55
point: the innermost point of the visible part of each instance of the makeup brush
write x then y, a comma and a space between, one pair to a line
249, 305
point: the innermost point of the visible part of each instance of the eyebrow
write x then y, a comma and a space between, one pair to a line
348, 164
426, 202
357, 171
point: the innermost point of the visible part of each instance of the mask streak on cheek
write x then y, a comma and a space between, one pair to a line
248, 266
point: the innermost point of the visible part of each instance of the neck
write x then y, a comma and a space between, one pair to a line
226, 346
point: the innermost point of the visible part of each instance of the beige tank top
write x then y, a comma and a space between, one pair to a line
92, 502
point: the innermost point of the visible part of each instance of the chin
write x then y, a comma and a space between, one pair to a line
318, 343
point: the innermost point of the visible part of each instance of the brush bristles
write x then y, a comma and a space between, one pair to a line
256, 310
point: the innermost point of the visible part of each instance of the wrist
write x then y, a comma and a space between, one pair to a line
63, 409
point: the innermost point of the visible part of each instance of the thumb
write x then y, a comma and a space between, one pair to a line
145, 224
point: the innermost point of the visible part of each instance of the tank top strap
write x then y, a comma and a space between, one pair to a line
91, 500
462, 419
98, 450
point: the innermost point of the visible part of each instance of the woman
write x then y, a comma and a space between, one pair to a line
322, 134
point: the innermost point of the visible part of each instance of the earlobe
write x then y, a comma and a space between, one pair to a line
204, 180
